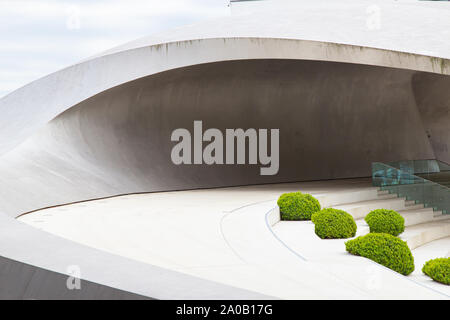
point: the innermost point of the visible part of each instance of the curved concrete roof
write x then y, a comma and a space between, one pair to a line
42, 160
319, 30
343, 22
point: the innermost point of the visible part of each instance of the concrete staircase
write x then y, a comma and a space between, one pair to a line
423, 225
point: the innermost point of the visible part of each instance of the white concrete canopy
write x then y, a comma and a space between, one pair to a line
319, 30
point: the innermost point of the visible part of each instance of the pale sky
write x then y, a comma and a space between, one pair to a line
40, 37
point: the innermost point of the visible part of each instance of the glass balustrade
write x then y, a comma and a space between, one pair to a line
423, 181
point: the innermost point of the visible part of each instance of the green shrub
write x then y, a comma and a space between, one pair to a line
384, 249
438, 270
385, 221
334, 224
297, 206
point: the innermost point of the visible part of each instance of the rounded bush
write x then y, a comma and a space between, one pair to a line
385, 221
384, 249
334, 224
438, 270
297, 206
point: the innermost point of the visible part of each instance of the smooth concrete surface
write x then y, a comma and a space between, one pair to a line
343, 93
40, 270
118, 142
227, 237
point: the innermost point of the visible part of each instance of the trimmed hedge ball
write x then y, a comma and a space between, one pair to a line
384, 249
297, 206
334, 224
385, 221
438, 270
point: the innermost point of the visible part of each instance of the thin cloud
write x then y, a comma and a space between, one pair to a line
40, 37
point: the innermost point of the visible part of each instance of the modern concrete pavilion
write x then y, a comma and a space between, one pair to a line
342, 93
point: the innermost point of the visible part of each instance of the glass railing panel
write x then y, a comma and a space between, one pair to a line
417, 166
420, 166
400, 179
443, 166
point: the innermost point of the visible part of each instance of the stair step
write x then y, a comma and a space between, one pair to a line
441, 217
422, 224
423, 233
337, 198
416, 206
386, 196
417, 216
360, 209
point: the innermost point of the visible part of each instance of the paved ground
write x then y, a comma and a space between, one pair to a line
224, 235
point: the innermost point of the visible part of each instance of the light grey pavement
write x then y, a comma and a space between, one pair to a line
224, 235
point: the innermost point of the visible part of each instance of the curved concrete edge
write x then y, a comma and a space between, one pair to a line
44, 99
323, 20
36, 265
273, 216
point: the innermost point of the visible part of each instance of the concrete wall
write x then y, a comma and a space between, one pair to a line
334, 120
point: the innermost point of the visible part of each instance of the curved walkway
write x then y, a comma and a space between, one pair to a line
217, 235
